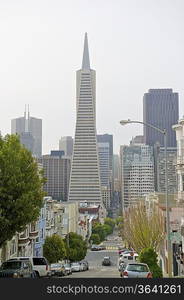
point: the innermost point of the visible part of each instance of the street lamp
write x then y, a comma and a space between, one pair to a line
164, 132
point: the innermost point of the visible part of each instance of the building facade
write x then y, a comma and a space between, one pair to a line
137, 173
160, 108
57, 173
29, 130
85, 174
66, 145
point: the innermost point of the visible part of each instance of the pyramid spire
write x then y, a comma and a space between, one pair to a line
85, 60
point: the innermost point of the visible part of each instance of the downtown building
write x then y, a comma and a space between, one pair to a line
29, 130
56, 169
103, 152
85, 183
136, 172
66, 145
160, 109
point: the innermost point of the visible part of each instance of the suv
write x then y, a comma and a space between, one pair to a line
106, 261
16, 269
40, 265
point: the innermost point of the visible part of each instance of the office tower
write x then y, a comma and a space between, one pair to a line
66, 145
160, 108
85, 175
57, 173
103, 152
159, 168
137, 173
30, 131
108, 138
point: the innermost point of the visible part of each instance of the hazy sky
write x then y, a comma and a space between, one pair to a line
134, 45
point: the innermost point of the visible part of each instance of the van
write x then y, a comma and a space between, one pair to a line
40, 265
128, 257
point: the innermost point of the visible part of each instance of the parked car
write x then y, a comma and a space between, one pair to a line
136, 270
121, 267
106, 261
84, 265
76, 267
68, 269
102, 247
128, 257
95, 248
57, 269
87, 264
39, 264
16, 269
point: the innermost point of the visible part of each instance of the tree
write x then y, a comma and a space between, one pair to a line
21, 188
54, 248
143, 229
76, 247
107, 229
95, 238
119, 220
98, 229
110, 222
149, 256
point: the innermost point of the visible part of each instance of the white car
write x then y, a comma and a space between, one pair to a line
76, 267
40, 265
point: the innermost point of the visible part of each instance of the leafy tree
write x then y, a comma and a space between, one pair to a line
149, 256
76, 247
21, 193
142, 228
98, 229
95, 238
110, 222
107, 229
54, 248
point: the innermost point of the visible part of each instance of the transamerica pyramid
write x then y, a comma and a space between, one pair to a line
85, 176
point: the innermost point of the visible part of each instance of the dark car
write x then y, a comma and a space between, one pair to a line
95, 248
106, 261
16, 269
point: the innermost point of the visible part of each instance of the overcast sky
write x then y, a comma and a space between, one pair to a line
134, 45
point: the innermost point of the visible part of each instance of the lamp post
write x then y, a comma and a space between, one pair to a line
164, 132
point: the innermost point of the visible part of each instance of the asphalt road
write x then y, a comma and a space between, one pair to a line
95, 258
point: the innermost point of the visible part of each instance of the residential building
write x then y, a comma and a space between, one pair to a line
160, 109
29, 130
70, 217
57, 173
85, 174
66, 145
137, 173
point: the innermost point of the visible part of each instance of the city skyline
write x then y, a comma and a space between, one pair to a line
38, 61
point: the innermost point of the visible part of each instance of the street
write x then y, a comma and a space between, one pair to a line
95, 259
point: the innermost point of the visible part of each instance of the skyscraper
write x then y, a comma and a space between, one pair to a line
160, 108
85, 175
29, 130
66, 145
137, 172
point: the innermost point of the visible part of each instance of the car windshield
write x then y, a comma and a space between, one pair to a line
137, 268
11, 265
75, 264
55, 265
39, 261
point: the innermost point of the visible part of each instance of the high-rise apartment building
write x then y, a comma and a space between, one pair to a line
66, 145
160, 108
85, 175
29, 130
159, 167
137, 173
103, 152
108, 138
57, 173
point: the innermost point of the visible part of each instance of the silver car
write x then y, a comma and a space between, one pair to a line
136, 270
76, 267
